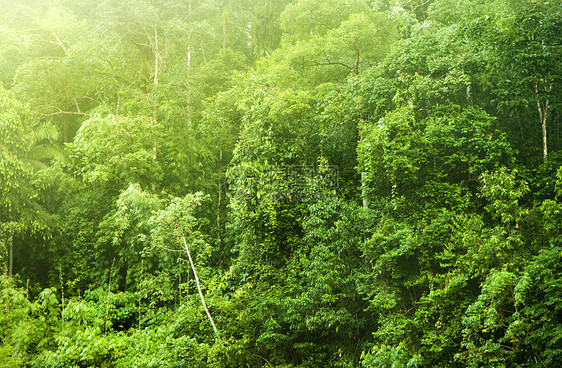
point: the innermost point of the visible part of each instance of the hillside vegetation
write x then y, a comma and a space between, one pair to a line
280, 183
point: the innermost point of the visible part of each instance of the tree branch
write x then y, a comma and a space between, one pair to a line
62, 112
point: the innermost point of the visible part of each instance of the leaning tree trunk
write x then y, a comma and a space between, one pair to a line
199, 286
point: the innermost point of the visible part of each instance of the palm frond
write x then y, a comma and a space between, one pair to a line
45, 132
43, 153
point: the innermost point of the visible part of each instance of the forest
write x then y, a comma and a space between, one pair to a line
280, 183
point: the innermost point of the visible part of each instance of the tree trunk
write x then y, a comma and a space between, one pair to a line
543, 113
156, 57
188, 62
11, 255
364, 190
199, 286
203, 53
542, 107
224, 28
219, 204
189, 42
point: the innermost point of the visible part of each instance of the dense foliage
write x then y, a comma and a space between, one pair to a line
280, 183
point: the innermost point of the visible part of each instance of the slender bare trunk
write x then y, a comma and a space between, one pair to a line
203, 53
224, 28
364, 190
61, 279
219, 206
199, 286
189, 42
11, 255
4, 250
188, 53
156, 57
118, 103
107, 301
140, 298
542, 107
356, 63
543, 114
